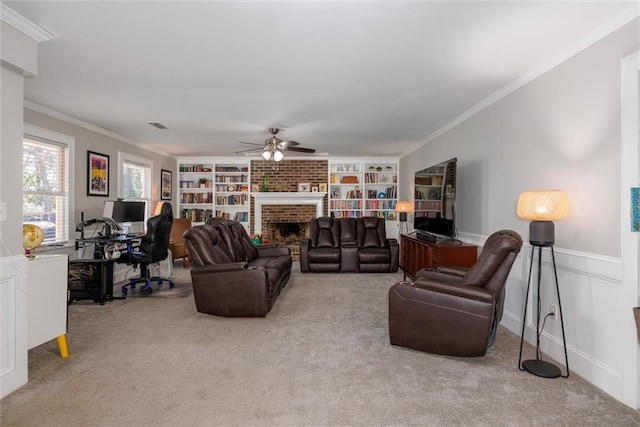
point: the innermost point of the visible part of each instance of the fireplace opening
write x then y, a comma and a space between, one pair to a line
287, 234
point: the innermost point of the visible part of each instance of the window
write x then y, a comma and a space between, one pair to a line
134, 176
47, 158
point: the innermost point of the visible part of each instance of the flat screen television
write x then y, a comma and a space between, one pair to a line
435, 199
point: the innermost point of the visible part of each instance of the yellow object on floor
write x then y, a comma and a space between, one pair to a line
62, 346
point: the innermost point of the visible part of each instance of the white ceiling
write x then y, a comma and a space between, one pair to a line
345, 78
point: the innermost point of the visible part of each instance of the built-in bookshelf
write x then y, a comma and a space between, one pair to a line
195, 191
363, 189
429, 191
211, 189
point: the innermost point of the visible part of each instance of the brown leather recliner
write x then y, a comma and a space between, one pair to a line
455, 311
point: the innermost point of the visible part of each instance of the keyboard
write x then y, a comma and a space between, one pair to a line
136, 234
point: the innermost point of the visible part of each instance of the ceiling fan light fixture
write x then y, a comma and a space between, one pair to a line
266, 154
278, 155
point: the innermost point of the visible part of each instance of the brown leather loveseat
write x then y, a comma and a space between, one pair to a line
348, 245
231, 277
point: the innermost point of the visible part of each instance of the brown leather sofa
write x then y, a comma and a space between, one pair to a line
231, 277
452, 310
348, 245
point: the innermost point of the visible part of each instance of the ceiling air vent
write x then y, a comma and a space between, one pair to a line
158, 125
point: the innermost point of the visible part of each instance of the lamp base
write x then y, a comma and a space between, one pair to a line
541, 368
541, 233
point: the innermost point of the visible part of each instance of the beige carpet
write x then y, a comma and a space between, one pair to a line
321, 357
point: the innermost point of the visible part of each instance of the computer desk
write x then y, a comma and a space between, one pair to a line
92, 278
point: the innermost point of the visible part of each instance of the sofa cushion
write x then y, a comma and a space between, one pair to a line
371, 232
235, 238
373, 256
205, 246
324, 255
324, 232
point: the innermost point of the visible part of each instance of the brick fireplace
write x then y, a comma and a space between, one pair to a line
282, 214
283, 218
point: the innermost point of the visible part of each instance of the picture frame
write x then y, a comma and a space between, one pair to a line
166, 184
314, 189
255, 188
97, 174
322, 187
304, 187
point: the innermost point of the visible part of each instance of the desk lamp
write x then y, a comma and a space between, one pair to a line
403, 208
542, 207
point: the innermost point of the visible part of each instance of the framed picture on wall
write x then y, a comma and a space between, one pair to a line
166, 184
97, 174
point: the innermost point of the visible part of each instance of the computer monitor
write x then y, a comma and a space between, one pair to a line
125, 212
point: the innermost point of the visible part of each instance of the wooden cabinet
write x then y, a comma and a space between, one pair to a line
48, 298
417, 254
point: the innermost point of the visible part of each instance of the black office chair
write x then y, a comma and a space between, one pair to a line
153, 248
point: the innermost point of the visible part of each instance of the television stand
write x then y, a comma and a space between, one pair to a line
426, 236
416, 254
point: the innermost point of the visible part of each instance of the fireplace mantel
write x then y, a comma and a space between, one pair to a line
284, 198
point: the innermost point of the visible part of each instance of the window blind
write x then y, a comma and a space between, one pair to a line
45, 185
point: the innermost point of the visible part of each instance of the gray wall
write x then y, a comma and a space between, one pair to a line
88, 140
561, 130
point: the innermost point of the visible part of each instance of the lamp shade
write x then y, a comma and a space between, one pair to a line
158, 208
278, 155
266, 154
543, 205
404, 207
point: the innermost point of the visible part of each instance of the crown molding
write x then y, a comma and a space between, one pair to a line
593, 37
23, 25
77, 122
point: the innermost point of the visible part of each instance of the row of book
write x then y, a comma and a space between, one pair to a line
232, 169
232, 178
196, 198
346, 204
195, 168
232, 200
237, 216
423, 205
381, 204
196, 215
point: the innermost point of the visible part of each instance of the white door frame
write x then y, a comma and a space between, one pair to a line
630, 253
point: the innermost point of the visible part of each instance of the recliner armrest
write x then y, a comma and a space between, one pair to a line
213, 268
453, 270
470, 292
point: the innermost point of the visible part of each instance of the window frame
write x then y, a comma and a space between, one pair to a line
124, 157
43, 135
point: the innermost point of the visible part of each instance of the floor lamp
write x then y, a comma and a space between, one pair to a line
542, 207
403, 208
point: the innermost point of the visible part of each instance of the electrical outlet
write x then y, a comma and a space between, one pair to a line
553, 309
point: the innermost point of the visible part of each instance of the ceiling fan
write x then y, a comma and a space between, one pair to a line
273, 146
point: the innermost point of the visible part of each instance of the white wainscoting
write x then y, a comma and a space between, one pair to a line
13, 323
590, 291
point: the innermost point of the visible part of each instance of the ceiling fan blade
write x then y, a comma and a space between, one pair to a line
286, 144
249, 150
250, 143
302, 149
